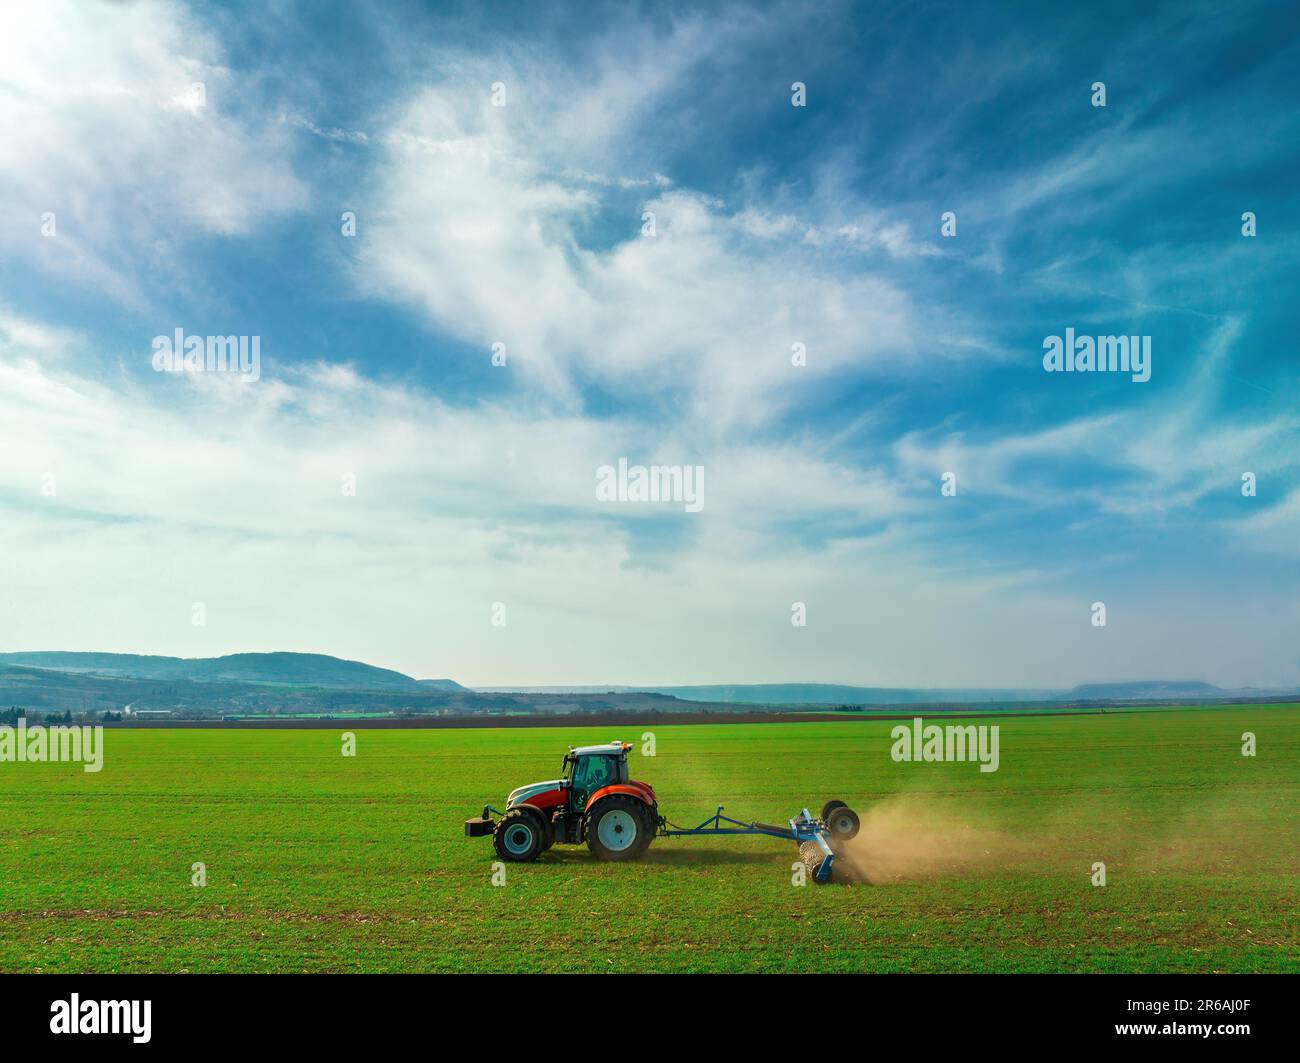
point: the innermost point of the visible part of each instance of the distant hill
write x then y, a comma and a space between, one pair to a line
839, 694
803, 694
827, 693
333, 673
1152, 688
41, 692
834, 694
289, 669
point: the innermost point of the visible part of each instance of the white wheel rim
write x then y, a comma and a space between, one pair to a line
616, 831
519, 838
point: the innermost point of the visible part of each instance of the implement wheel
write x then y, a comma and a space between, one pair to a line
843, 824
616, 828
830, 807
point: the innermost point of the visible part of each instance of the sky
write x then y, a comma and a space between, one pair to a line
675, 265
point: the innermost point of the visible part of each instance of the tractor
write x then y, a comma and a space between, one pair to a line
595, 802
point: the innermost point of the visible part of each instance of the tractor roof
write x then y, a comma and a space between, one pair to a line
607, 749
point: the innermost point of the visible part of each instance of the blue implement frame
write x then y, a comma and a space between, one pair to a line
803, 828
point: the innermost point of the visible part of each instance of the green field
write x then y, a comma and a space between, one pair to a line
318, 862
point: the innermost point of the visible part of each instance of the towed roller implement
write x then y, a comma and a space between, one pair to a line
595, 802
819, 840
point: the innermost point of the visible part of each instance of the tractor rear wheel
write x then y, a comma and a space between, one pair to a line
651, 824
518, 837
616, 829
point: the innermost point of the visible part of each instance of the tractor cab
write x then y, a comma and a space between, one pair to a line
591, 768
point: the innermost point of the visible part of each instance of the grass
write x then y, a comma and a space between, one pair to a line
317, 862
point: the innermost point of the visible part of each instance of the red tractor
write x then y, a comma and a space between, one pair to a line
594, 802
618, 817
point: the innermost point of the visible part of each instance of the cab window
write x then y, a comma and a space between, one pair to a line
592, 773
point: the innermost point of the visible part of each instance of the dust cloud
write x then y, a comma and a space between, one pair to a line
910, 838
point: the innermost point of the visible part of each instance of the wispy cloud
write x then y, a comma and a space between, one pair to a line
650, 228
122, 121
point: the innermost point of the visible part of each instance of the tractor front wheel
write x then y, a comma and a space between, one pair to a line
518, 837
616, 829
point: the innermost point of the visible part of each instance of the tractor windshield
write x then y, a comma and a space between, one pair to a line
594, 772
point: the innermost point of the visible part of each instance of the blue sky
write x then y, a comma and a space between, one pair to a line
128, 495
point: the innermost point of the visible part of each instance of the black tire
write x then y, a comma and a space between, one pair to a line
843, 824
651, 825
624, 836
830, 807
812, 856
518, 837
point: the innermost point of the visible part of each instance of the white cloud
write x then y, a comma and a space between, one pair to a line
166, 497
168, 493
1168, 453
22, 337
100, 126
522, 225
474, 220
1272, 528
